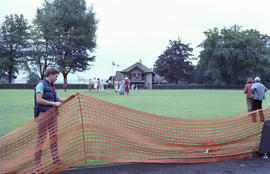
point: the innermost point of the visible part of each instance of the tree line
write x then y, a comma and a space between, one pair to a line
228, 56
62, 34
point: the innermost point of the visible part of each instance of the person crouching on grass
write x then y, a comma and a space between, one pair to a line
46, 98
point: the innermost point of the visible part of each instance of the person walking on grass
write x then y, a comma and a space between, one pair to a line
249, 96
46, 98
95, 85
89, 85
109, 85
101, 85
126, 86
98, 85
258, 91
116, 86
122, 86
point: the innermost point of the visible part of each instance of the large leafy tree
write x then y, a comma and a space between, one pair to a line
70, 29
14, 35
175, 62
230, 55
3, 52
42, 55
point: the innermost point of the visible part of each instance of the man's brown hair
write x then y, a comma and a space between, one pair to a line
51, 71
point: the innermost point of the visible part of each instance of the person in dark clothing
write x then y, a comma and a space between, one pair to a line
265, 140
46, 98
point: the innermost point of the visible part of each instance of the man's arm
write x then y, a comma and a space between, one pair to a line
63, 99
253, 88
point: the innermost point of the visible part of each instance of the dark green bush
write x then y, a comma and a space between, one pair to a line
196, 86
31, 86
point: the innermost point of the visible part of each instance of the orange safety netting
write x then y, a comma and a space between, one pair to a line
89, 128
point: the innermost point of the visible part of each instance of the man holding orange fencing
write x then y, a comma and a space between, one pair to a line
46, 98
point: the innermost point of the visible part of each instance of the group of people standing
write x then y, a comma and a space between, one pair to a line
255, 93
98, 85
122, 85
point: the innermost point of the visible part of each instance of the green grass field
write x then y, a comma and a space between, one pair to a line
17, 105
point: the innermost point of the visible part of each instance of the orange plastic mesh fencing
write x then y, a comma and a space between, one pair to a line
88, 128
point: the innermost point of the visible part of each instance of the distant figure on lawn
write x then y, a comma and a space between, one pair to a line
89, 85
46, 98
249, 96
116, 85
258, 91
95, 84
109, 85
101, 85
98, 84
126, 86
122, 87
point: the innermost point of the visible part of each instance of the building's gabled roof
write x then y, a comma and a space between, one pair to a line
118, 75
139, 66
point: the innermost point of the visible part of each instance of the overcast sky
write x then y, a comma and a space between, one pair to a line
130, 30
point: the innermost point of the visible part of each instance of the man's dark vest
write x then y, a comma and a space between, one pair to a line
49, 94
